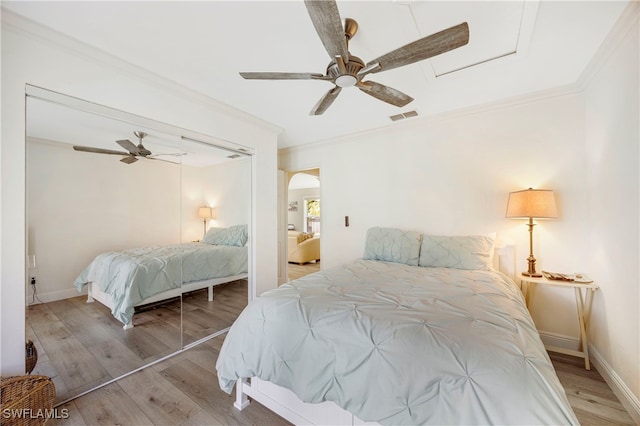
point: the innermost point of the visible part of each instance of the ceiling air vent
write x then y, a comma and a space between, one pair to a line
403, 115
233, 156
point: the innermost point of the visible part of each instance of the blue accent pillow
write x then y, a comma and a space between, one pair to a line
232, 236
392, 245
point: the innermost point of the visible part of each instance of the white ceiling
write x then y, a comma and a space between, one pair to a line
515, 48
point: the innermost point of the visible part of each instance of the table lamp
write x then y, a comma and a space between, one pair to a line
531, 203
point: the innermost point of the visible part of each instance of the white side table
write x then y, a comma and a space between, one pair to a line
583, 303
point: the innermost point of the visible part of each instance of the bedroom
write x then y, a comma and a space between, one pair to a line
578, 139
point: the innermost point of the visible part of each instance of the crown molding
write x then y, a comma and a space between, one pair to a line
421, 121
622, 28
42, 34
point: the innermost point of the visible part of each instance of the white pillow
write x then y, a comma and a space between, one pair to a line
458, 252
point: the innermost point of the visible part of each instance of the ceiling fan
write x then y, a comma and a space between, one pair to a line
346, 70
133, 151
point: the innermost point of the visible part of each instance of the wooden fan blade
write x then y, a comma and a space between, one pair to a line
129, 159
326, 19
129, 146
326, 101
385, 93
98, 150
281, 76
424, 48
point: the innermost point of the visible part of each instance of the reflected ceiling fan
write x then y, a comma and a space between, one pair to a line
133, 151
346, 70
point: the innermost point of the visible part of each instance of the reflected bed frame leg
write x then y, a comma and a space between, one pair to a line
210, 289
90, 298
242, 401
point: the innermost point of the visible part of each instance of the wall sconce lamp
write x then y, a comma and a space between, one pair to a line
531, 203
205, 213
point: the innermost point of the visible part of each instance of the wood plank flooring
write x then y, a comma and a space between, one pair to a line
591, 398
82, 345
184, 390
296, 271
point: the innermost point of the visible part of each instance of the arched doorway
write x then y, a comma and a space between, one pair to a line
303, 222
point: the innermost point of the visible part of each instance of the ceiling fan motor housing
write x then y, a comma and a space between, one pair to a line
349, 78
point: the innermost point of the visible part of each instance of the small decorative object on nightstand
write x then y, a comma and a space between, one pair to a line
583, 303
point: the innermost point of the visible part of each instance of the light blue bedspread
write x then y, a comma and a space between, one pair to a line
130, 276
399, 344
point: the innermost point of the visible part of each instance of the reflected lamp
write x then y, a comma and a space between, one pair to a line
205, 213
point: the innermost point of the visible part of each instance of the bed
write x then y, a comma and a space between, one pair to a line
421, 330
124, 280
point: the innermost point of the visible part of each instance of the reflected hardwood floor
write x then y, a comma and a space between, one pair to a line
82, 345
182, 390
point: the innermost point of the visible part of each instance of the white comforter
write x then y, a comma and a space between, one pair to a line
398, 344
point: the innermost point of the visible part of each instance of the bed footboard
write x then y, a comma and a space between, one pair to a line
286, 404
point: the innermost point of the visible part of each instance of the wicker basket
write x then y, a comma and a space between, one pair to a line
26, 395
31, 357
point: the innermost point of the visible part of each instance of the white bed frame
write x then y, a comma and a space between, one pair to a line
94, 292
287, 405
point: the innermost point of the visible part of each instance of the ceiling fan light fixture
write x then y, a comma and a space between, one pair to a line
346, 70
346, 80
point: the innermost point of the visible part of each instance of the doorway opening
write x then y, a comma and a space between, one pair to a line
303, 223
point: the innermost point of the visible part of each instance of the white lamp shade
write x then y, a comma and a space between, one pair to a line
205, 213
538, 203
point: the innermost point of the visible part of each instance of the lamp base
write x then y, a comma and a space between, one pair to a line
531, 267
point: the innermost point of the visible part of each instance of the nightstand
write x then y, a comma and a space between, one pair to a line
584, 297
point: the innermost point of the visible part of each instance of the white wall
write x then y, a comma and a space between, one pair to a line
612, 159
34, 55
452, 174
227, 192
80, 205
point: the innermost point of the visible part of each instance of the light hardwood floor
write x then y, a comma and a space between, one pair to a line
296, 271
184, 390
591, 398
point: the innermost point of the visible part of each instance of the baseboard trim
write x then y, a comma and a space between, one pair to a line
559, 340
52, 296
630, 402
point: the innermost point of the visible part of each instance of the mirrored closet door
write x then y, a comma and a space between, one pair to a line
118, 273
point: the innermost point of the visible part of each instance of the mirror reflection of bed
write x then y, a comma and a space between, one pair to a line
82, 205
